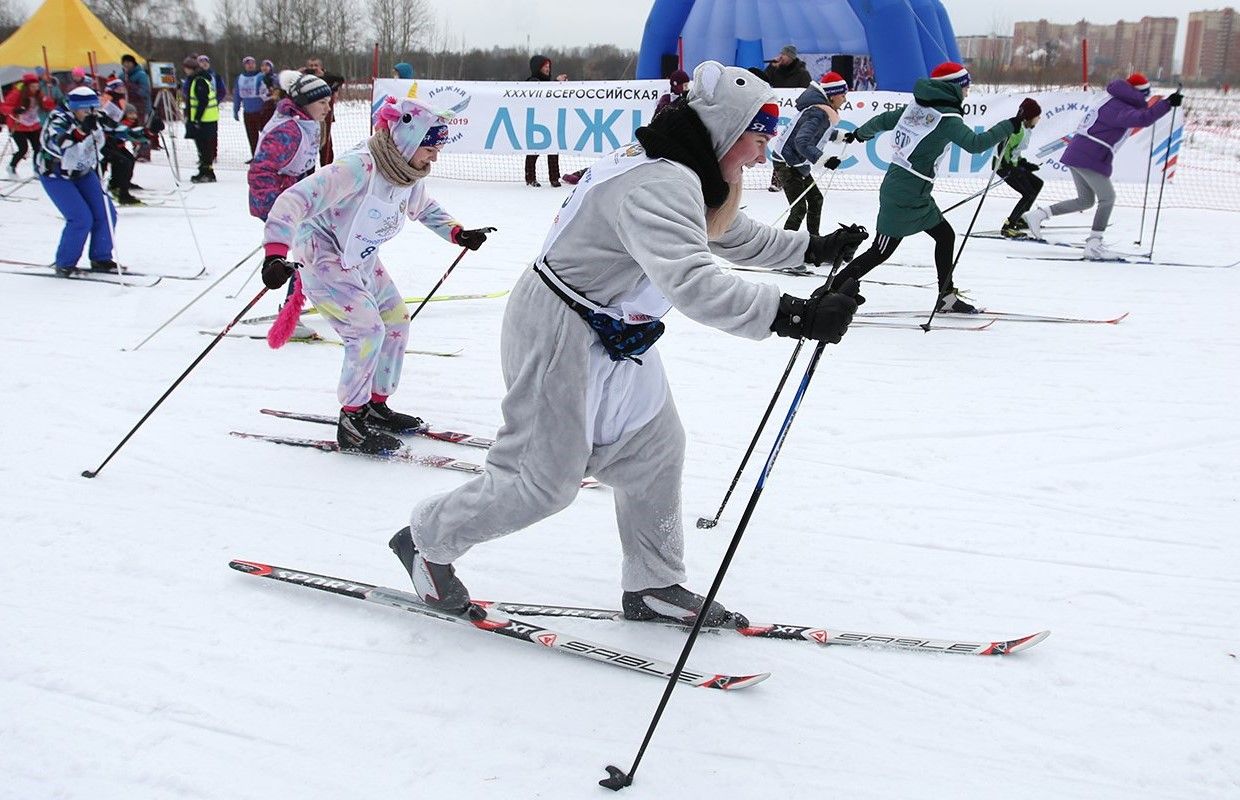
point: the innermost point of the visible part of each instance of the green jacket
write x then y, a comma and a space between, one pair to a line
1010, 153
905, 204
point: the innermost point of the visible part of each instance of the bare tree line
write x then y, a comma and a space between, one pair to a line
289, 31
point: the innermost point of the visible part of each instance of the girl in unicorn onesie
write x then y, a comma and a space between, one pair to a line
587, 393
336, 220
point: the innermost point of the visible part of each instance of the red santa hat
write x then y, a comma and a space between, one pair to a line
1139, 82
951, 72
832, 84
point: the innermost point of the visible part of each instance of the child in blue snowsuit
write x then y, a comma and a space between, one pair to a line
68, 170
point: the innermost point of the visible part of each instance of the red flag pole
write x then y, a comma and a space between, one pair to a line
374, 73
1085, 63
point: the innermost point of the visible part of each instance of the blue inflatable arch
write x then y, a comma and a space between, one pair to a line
904, 39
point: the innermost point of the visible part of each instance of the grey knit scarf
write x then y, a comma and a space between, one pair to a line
392, 165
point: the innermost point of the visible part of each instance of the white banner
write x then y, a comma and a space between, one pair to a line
596, 117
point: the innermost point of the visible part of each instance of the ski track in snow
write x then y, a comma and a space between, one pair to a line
981, 485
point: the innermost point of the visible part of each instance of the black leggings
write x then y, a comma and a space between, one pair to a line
883, 246
22, 140
1026, 184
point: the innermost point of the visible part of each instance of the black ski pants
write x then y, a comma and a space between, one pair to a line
1026, 184
808, 208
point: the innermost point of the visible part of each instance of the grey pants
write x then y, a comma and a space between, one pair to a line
1089, 185
542, 452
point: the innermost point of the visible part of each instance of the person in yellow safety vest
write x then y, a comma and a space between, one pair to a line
202, 117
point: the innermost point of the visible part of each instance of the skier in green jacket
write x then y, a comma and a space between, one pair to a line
1018, 173
922, 132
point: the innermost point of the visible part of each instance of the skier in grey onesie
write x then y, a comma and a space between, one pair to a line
587, 394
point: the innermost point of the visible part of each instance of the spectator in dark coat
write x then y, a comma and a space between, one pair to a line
202, 115
221, 88
540, 70
787, 71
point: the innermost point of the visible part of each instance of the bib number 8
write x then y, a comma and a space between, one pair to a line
366, 252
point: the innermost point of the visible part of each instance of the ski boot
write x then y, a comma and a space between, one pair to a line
124, 198
1095, 250
436, 584
104, 265
378, 415
1034, 220
952, 302
354, 434
677, 604
65, 271
1011, 230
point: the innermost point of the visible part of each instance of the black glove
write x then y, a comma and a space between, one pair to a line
851, 137
832, 163
836, 247
1028, 166
156, 125
473, 239
1175, 99
276, 271
89, 123
824, 317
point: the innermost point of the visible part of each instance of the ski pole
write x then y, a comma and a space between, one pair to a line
451, 267
1145, 195
811, 185
616, 778
202, 294
90, 473
1162, 183
925, 326
704, 522
248, 278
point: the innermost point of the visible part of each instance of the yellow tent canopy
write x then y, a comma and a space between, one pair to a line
68, 30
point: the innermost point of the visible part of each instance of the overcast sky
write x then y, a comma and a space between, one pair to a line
484, 23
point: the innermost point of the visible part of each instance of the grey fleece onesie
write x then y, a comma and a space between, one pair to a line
648, 221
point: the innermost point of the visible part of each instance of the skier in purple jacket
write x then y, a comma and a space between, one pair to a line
1092, 150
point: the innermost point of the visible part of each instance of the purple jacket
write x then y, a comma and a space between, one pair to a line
1126, 109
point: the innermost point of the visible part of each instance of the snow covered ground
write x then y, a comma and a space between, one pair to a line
979, 485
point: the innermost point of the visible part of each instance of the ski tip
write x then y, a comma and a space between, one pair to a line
1119, 319
250, 567
1007, 648
730, 682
